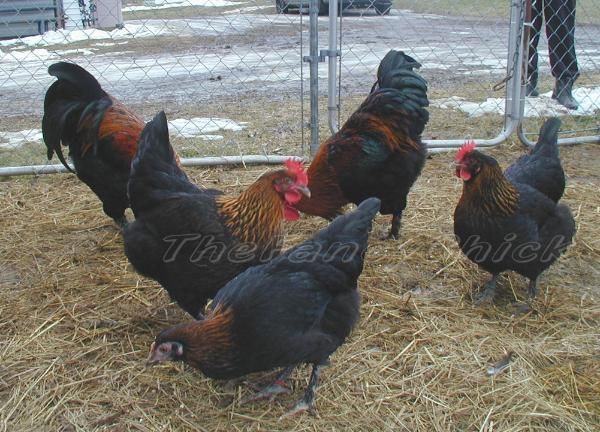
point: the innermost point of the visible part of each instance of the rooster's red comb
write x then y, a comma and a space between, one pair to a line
465, 149
295, 167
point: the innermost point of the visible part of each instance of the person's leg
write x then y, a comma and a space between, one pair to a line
560, 31
537, 20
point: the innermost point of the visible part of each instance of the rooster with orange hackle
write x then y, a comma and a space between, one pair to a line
193, 240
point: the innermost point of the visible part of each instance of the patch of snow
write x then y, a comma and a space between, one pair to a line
106, 44
39, 54
197, 127
165, 4
202, 126
246, 9
211, 137
63, 37
83, 51
542, 106
23, 56
14, 140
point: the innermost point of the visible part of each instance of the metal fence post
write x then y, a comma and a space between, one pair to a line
332, 53
313, 60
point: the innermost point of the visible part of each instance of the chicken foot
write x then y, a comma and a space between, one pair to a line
489, 290
274, 389
394, 233
532, 289
307, 403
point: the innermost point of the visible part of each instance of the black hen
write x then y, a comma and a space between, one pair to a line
512, 221
299, 308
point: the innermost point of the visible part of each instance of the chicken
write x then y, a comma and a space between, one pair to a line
193, 241
512, 221
100, 132
298, 308
378, 151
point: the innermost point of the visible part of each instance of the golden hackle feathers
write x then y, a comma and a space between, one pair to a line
490, 192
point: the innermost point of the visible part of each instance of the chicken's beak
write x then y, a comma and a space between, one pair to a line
304, 190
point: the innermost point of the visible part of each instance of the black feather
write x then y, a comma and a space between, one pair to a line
300, 307
75, 108
541, 168
178, 238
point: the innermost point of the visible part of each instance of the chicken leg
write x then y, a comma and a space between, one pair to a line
272, 390
395, 229
122, 222
307, 403
532, 289
489, 290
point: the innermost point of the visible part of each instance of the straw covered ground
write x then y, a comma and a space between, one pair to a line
76, 323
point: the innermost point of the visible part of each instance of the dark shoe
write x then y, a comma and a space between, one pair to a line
531, 91
562, 94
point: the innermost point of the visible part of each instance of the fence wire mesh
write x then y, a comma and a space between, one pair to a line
230, 76
562, 60
227, 73
464, 51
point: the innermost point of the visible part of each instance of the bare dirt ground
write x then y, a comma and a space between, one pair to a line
207, 57
77, 323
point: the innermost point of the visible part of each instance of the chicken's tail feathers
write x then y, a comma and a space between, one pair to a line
396, 70
547, 144
154, 169
53, 123
154, 148
65, 102
82, 84
369, 208
400, 94
355, 223
343, 242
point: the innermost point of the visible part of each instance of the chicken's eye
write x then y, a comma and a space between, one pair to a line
283, 181
163, 349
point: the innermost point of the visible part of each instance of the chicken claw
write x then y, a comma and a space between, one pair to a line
271, 391
307, 403
487, 295
532, 289
301, 407
394, 233
389, 236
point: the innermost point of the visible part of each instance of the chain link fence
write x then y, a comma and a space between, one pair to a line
233, 82
228, 74
470, 54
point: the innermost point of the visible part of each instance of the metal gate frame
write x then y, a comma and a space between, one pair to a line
527, 25
515, 83
514, 104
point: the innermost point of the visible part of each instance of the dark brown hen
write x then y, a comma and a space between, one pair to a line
298, 308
